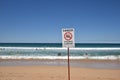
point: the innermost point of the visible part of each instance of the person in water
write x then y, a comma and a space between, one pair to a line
86, 55
59, 54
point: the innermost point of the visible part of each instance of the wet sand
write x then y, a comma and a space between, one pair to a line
57, 69
85, 63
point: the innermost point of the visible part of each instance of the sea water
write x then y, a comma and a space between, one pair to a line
102, 51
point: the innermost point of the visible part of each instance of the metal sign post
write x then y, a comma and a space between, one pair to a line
68, 65
68, 41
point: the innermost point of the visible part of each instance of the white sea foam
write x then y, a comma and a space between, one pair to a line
62, 57
56, 48
111, 57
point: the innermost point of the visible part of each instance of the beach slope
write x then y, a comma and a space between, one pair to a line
56, 73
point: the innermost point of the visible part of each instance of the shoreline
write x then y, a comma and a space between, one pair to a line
73, 60
47, 69
82, 60
84, 63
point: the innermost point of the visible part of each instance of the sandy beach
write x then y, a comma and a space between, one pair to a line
56, 73
48, 72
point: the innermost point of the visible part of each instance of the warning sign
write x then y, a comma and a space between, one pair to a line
68, 37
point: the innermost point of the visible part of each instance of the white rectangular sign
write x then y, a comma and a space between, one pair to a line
68, 37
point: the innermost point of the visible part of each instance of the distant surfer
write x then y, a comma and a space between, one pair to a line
59, 54
86, 55
36, 49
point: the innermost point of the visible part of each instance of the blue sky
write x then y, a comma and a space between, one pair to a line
41, 21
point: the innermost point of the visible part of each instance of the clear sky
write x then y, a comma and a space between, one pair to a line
41, 21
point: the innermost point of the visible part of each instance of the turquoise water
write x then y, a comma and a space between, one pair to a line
58, 45
55, 51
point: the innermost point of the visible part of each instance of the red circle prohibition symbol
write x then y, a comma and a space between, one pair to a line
67, 36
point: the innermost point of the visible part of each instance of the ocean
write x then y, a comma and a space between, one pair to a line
101, 51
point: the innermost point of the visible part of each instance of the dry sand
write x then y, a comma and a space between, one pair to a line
56, 73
